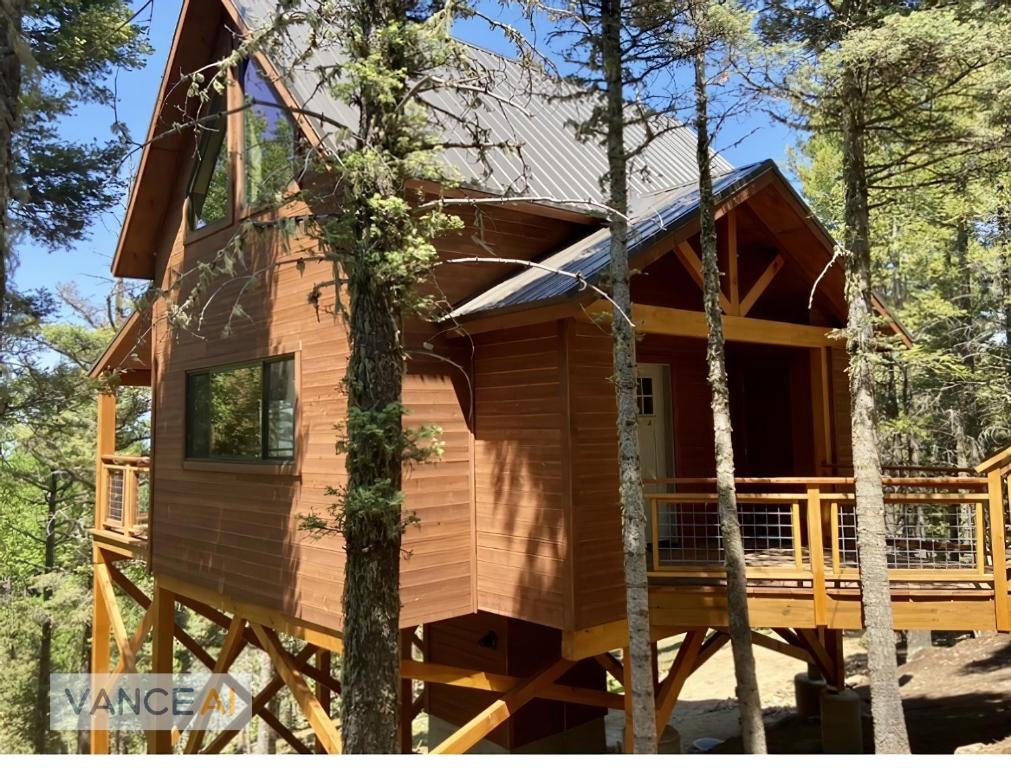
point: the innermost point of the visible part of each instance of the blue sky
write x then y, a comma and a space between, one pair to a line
87, 263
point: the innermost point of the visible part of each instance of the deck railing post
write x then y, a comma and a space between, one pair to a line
816, 550
998, 552
105, 424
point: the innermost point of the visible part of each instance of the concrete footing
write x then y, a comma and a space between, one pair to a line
807, 691
669, 742
841, 722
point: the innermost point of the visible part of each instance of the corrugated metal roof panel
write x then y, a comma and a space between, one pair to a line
533, 111
654, 216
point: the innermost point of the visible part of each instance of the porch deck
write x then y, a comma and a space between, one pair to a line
946, 546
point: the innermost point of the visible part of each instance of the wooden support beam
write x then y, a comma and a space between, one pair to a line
497, 713
104, 584
832, 640
693, 265
407, 637
584, 643
682, 666
611, 665
758, 288
995, 492
667, 321
733, 278
323, 691
816, 554
260, 701
136, 643
163, 617
284, 732
629, 707
713, 643
320, 721
230, 649
120, 580
100, 655
779, 646
810, 641
105, 427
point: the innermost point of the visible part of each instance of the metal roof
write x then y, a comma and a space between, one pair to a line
531, 110
651, 219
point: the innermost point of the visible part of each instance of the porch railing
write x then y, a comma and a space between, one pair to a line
124, 495
938, 529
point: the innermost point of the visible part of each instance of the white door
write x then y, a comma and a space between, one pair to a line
655, 429
653, 401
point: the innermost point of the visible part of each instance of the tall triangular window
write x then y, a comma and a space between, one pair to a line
269, 147
210, 199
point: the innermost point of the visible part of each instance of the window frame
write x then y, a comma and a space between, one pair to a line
264, 461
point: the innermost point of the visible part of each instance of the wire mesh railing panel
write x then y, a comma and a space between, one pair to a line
940, 536
114, 511
689, 532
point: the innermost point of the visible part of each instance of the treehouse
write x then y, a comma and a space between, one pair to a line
512, 582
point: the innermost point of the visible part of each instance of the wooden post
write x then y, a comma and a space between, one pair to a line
323, 659
821, 407
163, 622
733, 287
406, 696
101, 634
995, 489
816, 550
626, 661
105, 425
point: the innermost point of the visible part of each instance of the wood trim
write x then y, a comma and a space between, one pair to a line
567, 481
319, 636
759, 286
148, 148
283, 469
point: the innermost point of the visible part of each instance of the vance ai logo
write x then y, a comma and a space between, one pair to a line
144, 702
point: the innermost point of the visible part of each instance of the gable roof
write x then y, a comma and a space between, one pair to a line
651, 218
534, 110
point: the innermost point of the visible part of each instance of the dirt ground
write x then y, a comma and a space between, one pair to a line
955, 698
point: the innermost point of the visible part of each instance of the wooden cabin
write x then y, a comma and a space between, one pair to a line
512, 587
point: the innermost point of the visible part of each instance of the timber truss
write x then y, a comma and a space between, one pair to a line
307, 672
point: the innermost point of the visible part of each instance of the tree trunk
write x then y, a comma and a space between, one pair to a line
266, 739
10, 96
886, 701
372, 525
40, 729
372, 516
749, 701
633, 521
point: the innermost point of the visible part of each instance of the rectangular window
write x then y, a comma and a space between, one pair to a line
644, 395
242, 412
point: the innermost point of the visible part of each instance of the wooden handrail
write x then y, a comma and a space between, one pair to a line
117, 459
998, 461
